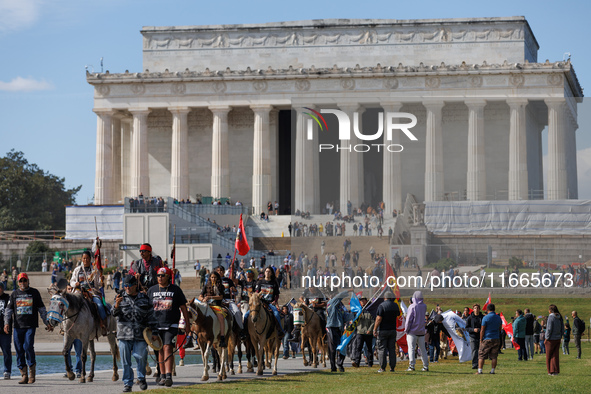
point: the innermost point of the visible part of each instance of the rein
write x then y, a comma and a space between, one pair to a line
258, 310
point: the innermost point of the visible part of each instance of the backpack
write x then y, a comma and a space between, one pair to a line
582, 330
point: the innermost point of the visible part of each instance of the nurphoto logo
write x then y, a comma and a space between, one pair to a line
345, 130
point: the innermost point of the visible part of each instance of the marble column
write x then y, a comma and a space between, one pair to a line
518, 179
220, 161
126, 143
352, 188
557, 174
117, 196
392, 167
179, 168
306, 165
434, 152
571, 125
261, 170
104, 157
476, 174
140, 166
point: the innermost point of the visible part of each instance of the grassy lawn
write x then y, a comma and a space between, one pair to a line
538, 306
447, 376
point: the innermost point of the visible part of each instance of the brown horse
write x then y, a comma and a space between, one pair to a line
263, 335
207, 329
313, 333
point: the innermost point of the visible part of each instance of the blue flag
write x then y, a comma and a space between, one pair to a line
350, 330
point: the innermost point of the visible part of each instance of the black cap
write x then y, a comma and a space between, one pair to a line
130, 280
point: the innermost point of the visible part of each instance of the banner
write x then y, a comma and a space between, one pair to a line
80, 222
350, 330
456, 327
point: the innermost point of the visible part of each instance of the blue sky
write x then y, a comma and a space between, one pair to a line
46, 104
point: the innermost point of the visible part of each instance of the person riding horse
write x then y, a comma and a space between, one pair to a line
314, 298
269, 289
213, 294
87, 280
229, 292
145, 269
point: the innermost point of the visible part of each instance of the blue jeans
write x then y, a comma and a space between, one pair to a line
24, 346
100, 307
77, 344
286, 343
434, 350
139, 350
5, 346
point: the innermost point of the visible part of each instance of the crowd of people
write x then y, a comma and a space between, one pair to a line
152, 298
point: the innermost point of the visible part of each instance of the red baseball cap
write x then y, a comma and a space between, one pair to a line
21, 276
165, 271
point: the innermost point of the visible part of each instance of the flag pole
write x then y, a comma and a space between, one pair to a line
173, 253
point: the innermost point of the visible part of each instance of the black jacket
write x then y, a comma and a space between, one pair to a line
288, 323
529, 324
133, 316
474, 321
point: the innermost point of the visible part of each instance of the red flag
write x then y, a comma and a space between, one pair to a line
509, 330
486, 303
390, 273
241, 242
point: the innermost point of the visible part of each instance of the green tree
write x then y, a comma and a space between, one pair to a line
35, 252
30, 198
515, 262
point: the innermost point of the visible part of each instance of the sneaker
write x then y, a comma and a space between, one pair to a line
425, 369
410, 369
474, 367
478, 373
7, 375
391, 369
492, 372
380, 370
354, 365
127, 389
143, 384
160, 381
168, 382
157, 378
78, 375
341, 369
285, 357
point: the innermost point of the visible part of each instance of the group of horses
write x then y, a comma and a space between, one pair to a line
75, 314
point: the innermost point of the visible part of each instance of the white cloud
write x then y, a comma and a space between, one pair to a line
20, 84
18, 14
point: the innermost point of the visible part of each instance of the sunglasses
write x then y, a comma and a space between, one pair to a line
23, 280
161, 275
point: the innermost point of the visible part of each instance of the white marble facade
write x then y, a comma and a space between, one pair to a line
202, 118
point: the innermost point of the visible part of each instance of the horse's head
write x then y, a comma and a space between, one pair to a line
58, 306
254, 305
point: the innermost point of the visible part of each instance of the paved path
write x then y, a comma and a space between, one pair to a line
187, 375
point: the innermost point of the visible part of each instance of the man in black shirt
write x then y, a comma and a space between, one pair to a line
166, 300
385, 330
473, 324
25, 303
4, 337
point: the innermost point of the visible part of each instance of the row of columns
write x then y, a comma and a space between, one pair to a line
561, 141
108, 155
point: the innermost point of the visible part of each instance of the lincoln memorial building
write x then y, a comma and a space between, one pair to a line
223, 111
